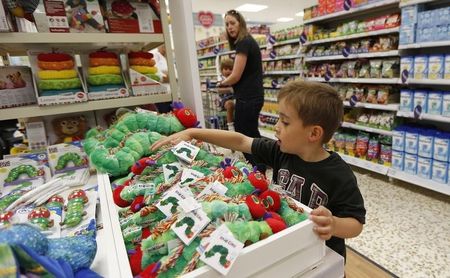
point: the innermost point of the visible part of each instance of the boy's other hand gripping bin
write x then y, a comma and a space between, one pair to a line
57, 80
123, 16
74, 16
16, 87
104, 77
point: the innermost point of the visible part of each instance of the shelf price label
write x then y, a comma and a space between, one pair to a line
346, 51
327, 75
405, 75
274, 83
272, 54
353, 101
216, 50
271, 39
417, 111
303, 37
200, 65
347, 5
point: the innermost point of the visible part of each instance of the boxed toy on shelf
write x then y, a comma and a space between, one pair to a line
67, 157
69, 16
16, 87
57, 80
122, 16
103, 75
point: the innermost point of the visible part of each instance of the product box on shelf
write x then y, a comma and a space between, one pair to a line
5, 20
57, 79
36, 135
424, 167
446, 104
407, 35
398, 158
421, 67
447, 67
74, 16
441, 148
67, 157
406, 100
434, 106
130, 17
410, 164
439, 171
420, 99
16, 87
103, 75
436, 67
410, 15
23, 171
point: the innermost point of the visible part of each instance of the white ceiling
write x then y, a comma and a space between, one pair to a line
276, 8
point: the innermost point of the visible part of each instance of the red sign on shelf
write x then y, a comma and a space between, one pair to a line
206, 19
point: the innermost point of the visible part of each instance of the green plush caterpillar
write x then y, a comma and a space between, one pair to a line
75, 208
64, 159
15, 172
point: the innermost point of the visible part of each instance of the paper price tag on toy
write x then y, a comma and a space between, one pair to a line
185, 151
222, 252
222, 229
190, 176
178, 197
170, 170
215, 187
190, 225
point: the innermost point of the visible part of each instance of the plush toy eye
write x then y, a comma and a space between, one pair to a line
74, 123
270, 200
63, 123
255, 199
265, 203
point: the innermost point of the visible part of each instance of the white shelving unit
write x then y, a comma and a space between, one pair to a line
355, 36
287, 57
354, 11
404, 3
367, 129
357, 80
207, 56
267, 133
385, 107
424, 45
353, 56
368, 165
287, 72
425, 116
434, 82
269, 114
416, 180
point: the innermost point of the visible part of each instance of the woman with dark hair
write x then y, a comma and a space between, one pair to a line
246, 78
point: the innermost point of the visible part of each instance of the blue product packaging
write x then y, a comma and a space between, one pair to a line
441, 33
410, 164
446, 104
426, 142
447, 66
407, 64
436, 66
407, 35
420, 98
406, 100
444, 16
424, 19
424, 167
411, 140
398, 139
410, 15
434, 104
439, 171
397, 160
441, 146
421, 67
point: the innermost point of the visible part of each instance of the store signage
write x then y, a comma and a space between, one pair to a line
206, 19
353, 100
347, 4
405, 75
327, 75
216, 50
272, 39
417, 111
346, 51
303, 37
274, 83
272, 54
200, 65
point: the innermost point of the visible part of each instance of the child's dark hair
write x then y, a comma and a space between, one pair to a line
316, 104
226, 63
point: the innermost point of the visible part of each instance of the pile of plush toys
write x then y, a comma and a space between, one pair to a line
250, 208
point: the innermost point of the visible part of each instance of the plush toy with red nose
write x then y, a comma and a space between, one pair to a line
185, 115
117, 199
230, 171
255, 205
271, 200
141, 164
257, 179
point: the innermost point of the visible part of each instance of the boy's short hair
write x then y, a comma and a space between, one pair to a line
226, 63
316, 104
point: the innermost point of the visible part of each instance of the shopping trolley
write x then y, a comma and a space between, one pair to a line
215, 116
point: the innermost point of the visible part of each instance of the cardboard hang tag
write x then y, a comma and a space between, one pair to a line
215, 187
170, 170
185, 151
178, 198
189, 225
189, 176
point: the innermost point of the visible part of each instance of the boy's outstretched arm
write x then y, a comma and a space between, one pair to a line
328, 225
226, 139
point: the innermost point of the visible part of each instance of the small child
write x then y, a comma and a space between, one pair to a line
226, 93
310, 113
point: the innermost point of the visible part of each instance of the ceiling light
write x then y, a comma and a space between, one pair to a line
252, 8
285, 19
300, 14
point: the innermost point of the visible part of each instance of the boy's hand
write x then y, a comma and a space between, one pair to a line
174, 139
323, 218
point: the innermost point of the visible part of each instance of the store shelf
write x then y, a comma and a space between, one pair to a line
283, 58
369, 8
37, 111
272, 99
436, 82
355, 36
206, 68
19, 43
385, 107
416, 180
424, 116
353, 56
286, 72
207, 56
267, 133
208, 74
367, 129
357, 80
414, 2
212, 45
424, 45
368, 165
296, 40
268, 114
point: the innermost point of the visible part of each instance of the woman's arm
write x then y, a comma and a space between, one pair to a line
238, 68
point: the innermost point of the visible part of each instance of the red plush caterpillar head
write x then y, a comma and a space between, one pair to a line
185, 115
117, 199
137, 203
140, 54
271, 200
54, 57
255, 205
103, 54
229, 171
257, 179
136, 260
271, 214
276, 225
141, 164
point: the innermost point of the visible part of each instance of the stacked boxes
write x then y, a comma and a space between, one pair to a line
432, 102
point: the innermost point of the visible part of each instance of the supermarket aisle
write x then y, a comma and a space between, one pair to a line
407, 230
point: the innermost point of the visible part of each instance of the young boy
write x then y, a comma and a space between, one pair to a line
226, 93
310, 112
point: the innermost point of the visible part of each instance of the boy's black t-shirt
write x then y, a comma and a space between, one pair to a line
330, 183
250, 86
